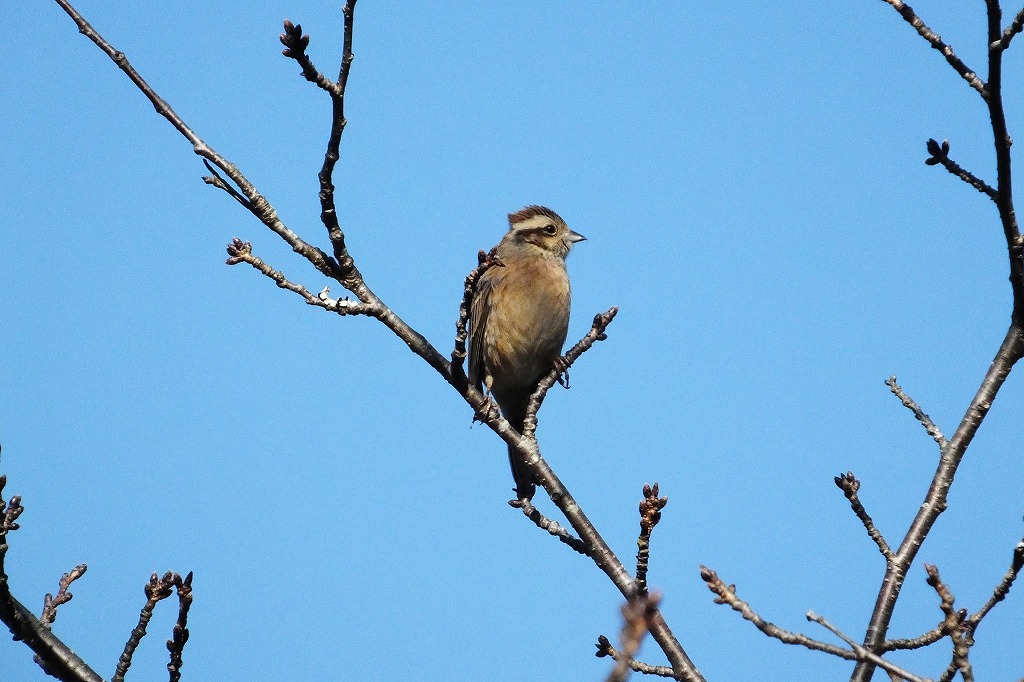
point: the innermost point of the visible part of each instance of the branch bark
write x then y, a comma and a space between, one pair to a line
341, 267
1012, 347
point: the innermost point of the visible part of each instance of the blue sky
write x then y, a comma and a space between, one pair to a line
750, 178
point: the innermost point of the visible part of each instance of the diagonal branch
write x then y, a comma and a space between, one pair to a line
927, 639
53, 655
1002, 589
342, 268
863, 654
919, 414
552, 527
936, 42
940, 154
260, 207
295, 45
1010, 351
849, 484
727, 595
934, 504
605, 648
596, 333
50, 602
241, 252
1015, 27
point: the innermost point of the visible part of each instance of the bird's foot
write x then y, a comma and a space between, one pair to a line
488, 411
561, 366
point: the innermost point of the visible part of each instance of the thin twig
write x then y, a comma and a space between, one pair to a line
1010, 351
342, 268
215, 180
596, 333
940, 154
295, 45
53, 655
241, 252
179, 635
927, 639
865, 655
351, 277
485, 261
936, 42
1015, 27
50, 602
605, 648
637, 613
919, 414
1002, 589
727, 595
954, 624
849, 484
650, 515
552, 527
157, 589
258, 204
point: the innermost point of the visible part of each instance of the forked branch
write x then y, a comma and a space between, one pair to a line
341, 267
1012, 348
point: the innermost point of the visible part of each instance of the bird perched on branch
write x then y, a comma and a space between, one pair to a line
520, 317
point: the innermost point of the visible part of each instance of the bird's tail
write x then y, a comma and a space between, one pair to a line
526, 484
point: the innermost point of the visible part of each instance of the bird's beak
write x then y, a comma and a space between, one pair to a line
574, 237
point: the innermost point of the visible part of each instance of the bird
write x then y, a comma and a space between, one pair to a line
519, 319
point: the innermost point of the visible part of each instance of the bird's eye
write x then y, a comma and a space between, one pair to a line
549, 229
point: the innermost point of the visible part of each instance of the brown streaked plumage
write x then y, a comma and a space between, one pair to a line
520, 317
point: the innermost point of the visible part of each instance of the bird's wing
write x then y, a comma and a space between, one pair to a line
477, 324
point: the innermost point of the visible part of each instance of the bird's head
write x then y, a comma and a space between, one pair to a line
540, 231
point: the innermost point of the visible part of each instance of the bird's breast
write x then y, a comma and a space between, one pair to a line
528, 321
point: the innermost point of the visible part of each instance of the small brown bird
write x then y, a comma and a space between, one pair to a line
520, 317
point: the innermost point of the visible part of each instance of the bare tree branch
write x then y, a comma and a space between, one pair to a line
727, 595
636, 615
865, 655
919, 414
936, 42
935, 501
552, 527
50, 603
1002, 589
596, 333
605, 648
650, 515
927, 639
849, 484
258, 204
55, 657
940, 154
179, 635
295, 45
954, 625
342, 268
157, 589
241, 252
1010, 351
1015, 27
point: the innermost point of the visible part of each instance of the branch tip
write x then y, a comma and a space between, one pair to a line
294, 42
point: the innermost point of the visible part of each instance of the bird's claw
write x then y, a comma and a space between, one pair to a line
561, 366
488, 411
